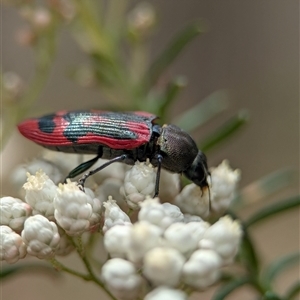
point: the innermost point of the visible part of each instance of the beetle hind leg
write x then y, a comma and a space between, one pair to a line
82, 167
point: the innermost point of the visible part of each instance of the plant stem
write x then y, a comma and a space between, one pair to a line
80, 250
57, 265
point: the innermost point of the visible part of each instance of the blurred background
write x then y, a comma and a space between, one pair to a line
250, 49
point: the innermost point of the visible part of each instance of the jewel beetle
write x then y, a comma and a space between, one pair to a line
119, 137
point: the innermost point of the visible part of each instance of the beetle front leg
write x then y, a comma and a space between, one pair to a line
82, 180
159, 160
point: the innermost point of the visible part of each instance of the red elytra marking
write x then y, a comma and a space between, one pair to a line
111, 142
30, 130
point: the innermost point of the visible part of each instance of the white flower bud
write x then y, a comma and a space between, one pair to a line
169, 186
161, 215
193, 200
13, 212
166, 293
144, 236
116, 240
191, 218
224, 183
202, 269
19, 175
40, 192
12, 246
185, 236
40, 236
75, 211
114, 215
223, 237
163, 266
121, 278
139, 182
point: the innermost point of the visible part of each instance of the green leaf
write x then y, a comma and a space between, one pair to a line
172, 91
273, 209
269, 295
9, 271
225, 131
105, 69
248, 254
172, 51
279, 266
265, 187
228, 288
293, 291
203, 111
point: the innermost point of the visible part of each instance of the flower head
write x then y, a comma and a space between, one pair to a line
223, 237
114, 215
224, 182
162, 215
139, 182
14, 212
75, 210
121, 278
40, 192
202, 269
166, 293
185, 236
12, 247
116, 240
40, 236
163, 266
193, 200
144, 236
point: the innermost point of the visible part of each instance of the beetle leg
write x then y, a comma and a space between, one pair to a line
82, 167
82, 180
159, 160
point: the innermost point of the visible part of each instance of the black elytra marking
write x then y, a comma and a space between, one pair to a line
46, 124
80, 124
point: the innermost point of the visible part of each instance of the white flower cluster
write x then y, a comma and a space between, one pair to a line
47, 216
163, 243
168, 250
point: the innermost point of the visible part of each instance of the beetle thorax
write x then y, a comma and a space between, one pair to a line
177, 148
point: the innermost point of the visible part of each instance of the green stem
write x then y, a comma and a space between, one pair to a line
59, 266
80, 250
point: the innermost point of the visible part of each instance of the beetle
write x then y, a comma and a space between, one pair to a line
119, 137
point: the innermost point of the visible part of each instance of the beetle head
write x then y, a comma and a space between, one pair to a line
198, 171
